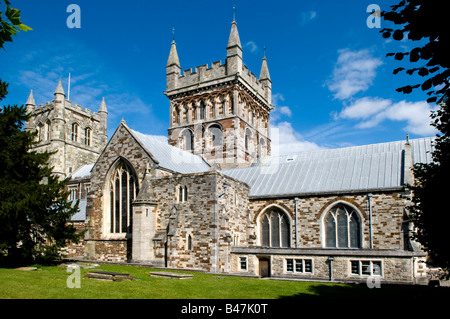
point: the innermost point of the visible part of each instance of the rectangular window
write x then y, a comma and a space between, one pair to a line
365, 268
299, 265
355, 267
290, 265
243, 263
308, 265
302, 266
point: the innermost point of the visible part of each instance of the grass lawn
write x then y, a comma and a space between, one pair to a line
50, 282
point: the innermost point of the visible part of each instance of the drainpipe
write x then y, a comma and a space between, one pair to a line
296, 213
217, 226
369, 197
330, 260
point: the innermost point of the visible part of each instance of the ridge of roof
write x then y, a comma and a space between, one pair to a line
171, 157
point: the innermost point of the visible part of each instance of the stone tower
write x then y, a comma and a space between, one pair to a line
77, 135
220, 112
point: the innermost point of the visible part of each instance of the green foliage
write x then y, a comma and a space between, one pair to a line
423, 20
426, 20
429, 210
34, 210
8, 29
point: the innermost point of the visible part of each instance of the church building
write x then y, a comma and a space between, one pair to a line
215, 198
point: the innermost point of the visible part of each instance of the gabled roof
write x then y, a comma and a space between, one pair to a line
171, 157
83, 172
353, 169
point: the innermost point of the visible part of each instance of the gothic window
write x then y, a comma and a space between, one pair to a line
231, 101
48, 131
216, 135
202, 110
213, 108
262, 147
73, 193
186, 113
248, 137
123, 190
74, 132
87, 136
39, 129
275, 229
188, 138
342, 228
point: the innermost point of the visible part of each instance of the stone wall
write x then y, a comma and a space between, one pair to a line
387, 217
122, 147
186, 230
70, 154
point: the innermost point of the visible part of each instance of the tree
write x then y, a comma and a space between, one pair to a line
426, 21
8, 29
423, 20
34, 211
429, 211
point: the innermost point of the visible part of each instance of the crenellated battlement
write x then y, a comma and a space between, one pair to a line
201, 74
49, 105
216, 72
77, 134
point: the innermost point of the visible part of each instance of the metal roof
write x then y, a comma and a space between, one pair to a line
83, 172
80, 215
171, 157
358, 168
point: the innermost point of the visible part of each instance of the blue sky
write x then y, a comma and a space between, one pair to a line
331, 83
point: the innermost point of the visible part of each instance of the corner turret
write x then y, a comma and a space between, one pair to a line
234, 51
264, 78
173, 68
60, 95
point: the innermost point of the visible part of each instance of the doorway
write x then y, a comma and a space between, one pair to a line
264, 267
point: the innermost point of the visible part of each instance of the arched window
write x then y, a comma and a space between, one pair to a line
74, 132
202, 110
48, 130
188, 139
342, 228
262, 147
248, 138
87, 136
39, 130
275, 229
123, 190
216, 135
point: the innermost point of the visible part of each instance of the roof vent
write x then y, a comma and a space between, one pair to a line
291, 158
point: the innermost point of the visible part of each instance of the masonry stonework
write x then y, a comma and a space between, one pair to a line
206, 211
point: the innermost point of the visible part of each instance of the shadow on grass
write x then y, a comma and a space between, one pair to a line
386, 292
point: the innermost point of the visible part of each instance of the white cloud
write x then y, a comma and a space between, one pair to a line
285, 140
372, 111
307, 16
285, 110
416, 114
252, 46
354, 72
279, 110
